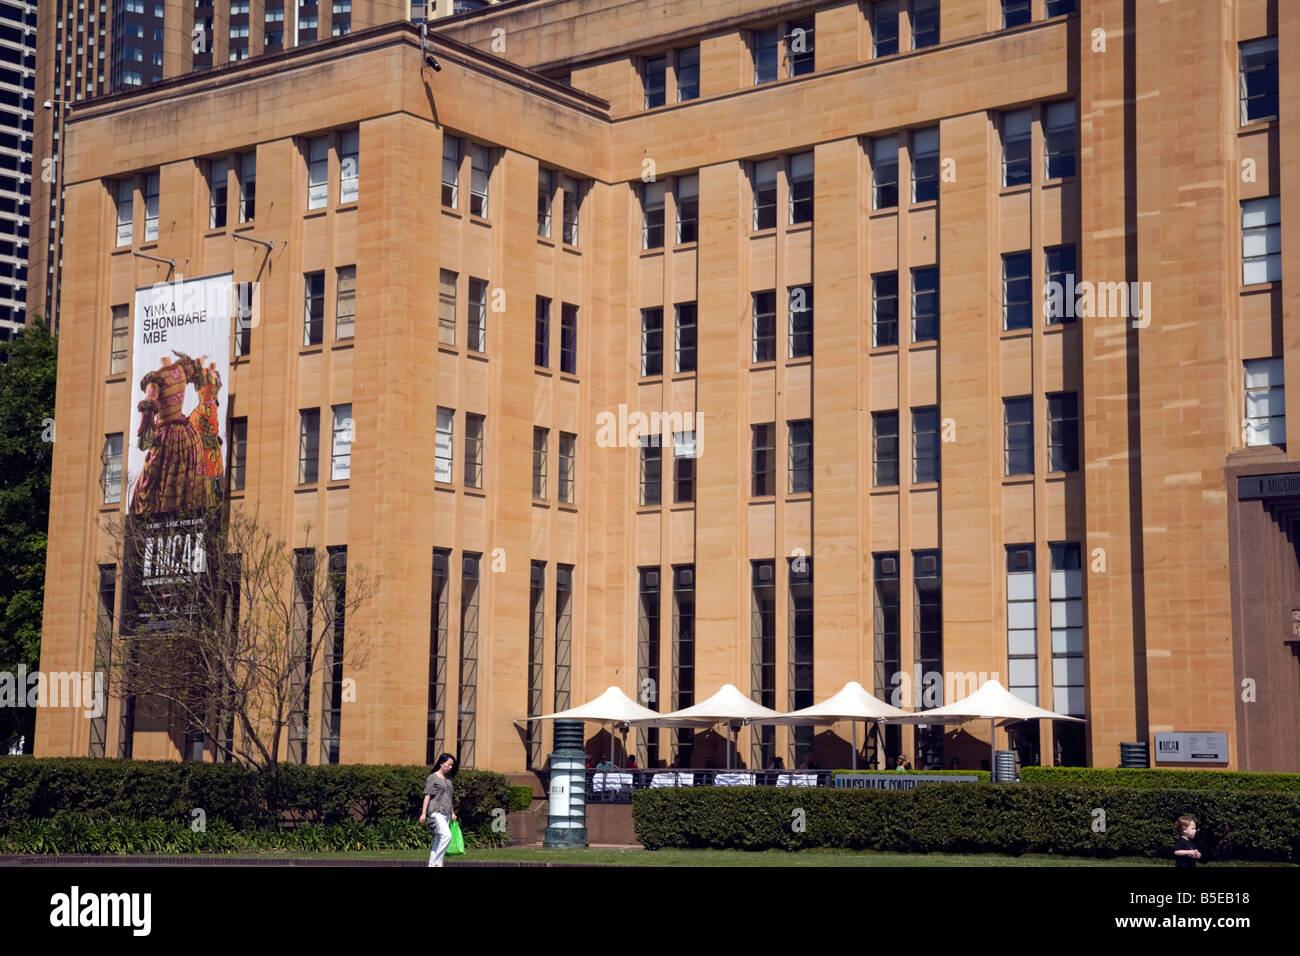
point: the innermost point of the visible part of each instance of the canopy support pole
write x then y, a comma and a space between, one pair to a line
854, 724
993, 748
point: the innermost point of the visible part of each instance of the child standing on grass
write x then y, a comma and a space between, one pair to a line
1185, 852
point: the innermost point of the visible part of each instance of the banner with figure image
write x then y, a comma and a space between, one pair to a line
180, 335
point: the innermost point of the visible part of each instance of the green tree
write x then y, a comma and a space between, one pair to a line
26, 448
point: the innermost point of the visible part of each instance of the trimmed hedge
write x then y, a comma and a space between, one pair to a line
971, 818
1162, 777
983, 775
81, 833
521, 798
47, 787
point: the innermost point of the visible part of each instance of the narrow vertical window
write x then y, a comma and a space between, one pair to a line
688, 73
925, 23
473, 450
884, 28
684, 652
884, 449
318, 164
652, 342
1018, 428
801, 188
652, 463
647, 657
110, 474
684, 455
765, 54
308, 446
799, 46
762, 655
1261, 240
450, 171
1059, 138
1258, 80
764, 188
925, 165
568, 467
572, 190
1068, 684
801, 456
1016, 161
151, 207
764, 307
655, 77
1063, 432
536, 657
218, 172
763, 443
884, 172
469, 628
439, 641
925, 304
1022, 623
541, 438
1265, 402
801, 650
884, 309
125, 209
443, 438
568, 338
684, 337
480, 172
925, 444
238, 467
1061, 266
1014, 13
542, 333
247, 186
345, 302
476, 328
688, 209
545, 199
800, 341
121, 341
1017, 301
313, 308
563, 635
341, 447
652, 215
446, 307
349, 165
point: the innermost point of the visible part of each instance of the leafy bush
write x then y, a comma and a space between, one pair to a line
521, 798
43, 788
971, 818
1162, 778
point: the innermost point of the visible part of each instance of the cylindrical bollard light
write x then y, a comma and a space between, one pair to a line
566, 820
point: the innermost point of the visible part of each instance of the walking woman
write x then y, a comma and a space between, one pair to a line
437, 808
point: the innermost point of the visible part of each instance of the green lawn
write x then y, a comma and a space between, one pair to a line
639, 857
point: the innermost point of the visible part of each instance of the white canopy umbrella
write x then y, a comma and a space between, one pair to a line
727, 705
851, 702
610, 708
992, 702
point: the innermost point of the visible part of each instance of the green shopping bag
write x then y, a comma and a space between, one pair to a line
457, 845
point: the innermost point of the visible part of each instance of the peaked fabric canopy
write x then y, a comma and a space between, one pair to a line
991, 702
850, 702
613, 706
726, 705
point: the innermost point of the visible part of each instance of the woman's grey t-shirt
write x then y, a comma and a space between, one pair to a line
440, 792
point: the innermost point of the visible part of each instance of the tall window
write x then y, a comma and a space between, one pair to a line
1061, 266
654, 74
218, 172
925, 304
652, 342
304, 609
125, 195
801, 321
308, 446
801, 649
1063, 432
341, 448
242, 308
801, 456
884, 27
764, 187
1017, 302
572, 190
332, 684
684, 649
687, 197
1014, 13
652, 464
473, 450
764, 305
238, 466
247, 186
684, 466
688, 73
450, 171
121, 343
476, 328
765, 54
568, 338
110, 473
884, 449
1059, 8
103, 648
1067, 629
541, 439
542, 333
345, 302
925, 165
446, 307
545, 199
801, 188
1022, 623
150, 207
884, 170
884, 309
1265, 403
536, 656
927, 576
762, 655
443, 439
349, 165
480, 171
925, 444
469, 606
1018, 428
313, 308
1261, 240
887, 624
684, 333
647, 657
563, 634
1059, 139
1016, 160
439, 641
925, 23
763, 443
799, 46
568, 467
318, 164
652, 219
1258, 80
